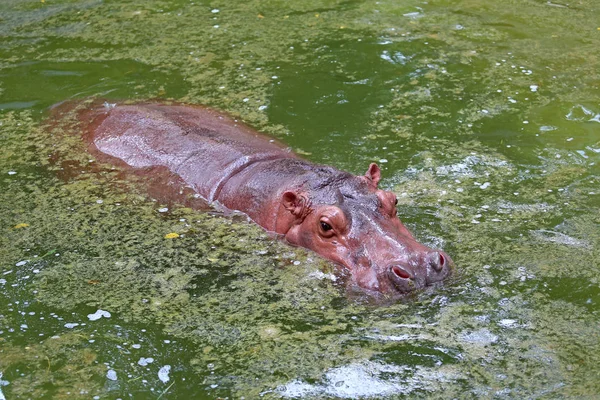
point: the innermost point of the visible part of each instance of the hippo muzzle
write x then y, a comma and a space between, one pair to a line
434, 267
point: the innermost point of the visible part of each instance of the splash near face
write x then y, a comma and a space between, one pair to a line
342, 217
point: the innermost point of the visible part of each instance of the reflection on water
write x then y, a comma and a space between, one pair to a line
369, 379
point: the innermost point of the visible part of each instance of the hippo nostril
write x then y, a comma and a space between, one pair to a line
438, 261
400, 272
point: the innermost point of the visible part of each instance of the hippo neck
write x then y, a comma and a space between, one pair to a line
258, 188
237, 168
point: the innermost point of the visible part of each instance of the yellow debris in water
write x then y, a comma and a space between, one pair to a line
19, 226
171, 235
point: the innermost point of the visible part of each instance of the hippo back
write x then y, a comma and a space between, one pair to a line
201, 146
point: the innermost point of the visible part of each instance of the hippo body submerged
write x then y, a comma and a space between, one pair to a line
340, 216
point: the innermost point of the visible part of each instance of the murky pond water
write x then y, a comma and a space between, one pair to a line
485, 117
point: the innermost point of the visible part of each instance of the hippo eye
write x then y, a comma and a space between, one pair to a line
396, 201
325, 226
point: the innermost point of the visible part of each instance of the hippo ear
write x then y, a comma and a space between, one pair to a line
294, 203
374, 174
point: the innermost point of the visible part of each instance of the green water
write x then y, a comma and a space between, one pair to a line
485, 118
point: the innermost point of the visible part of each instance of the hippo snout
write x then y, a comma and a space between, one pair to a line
435, 266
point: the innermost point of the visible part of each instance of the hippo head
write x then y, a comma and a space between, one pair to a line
347, 219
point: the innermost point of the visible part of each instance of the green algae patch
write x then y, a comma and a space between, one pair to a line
482, 116
94, 246
58, 367
251, 313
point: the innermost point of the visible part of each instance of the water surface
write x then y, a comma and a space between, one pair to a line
485, 118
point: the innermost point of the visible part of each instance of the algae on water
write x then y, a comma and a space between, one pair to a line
483, 116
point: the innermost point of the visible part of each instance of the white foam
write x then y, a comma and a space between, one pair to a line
163, 373
98, 314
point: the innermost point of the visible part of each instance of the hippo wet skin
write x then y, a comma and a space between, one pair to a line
342, 217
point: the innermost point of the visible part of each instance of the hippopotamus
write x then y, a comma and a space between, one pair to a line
340, 216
